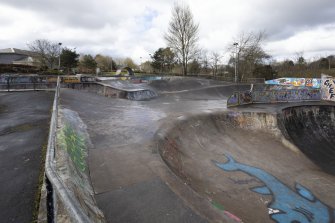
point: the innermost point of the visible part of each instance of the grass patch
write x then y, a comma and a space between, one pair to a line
40, 183
41, 176
3, 108
20, 128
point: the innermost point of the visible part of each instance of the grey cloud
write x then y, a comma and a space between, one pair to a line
282, 19
74, 13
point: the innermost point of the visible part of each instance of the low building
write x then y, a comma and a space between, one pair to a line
18, 57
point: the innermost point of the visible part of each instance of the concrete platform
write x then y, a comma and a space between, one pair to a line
24, 125
166, 160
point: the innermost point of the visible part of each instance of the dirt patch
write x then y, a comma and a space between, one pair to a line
3, 108
21, 128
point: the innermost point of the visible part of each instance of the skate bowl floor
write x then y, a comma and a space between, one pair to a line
185, 157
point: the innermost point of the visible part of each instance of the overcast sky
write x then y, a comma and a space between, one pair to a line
135, 28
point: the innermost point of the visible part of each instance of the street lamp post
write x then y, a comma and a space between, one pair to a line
236, 45
140, 63
59, 44
150, 61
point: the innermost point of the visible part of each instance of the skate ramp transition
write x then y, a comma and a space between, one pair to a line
115, 89
312, 129
244, 161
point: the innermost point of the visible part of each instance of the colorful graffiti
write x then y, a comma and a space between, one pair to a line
70, 79
233, 100
296, 82
288, 95
239, 98
16, 79
245, 97
316, 83
297, 206
75, 146
328, 92
275, 95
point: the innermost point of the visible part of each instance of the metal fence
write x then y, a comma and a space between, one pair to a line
34, 82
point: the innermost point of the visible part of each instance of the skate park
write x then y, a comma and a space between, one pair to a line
186, 149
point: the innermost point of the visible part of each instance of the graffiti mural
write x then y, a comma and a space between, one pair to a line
328, 85
287, 205
316, 83
240, 98
277, 93
296, 82
233, 100
75, 146
70, 79
288, 95
245, 97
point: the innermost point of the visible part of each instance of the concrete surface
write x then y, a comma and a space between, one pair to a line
197, 136
24, 118
311, 128
191, 146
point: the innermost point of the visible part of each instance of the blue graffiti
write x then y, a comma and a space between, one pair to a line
287, 205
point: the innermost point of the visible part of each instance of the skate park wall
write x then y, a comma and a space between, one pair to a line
288, 90
69, 194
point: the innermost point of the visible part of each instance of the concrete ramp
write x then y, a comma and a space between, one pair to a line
239, 162
312, 129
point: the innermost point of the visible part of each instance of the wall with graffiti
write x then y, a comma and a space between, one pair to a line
273, 96
14, 82
240, 98
327, 86
287, 90
296, 82
73, 143
233, 100
245, 97
287, 205
288, 95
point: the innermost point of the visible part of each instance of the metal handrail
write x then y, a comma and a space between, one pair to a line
58, 188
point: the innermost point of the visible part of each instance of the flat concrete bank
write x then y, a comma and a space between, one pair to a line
24, 125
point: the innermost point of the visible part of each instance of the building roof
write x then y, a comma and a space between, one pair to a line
17, 51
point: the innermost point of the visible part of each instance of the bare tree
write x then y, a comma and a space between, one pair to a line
214, 62
182, 35
249, 52
47, 52
204, 61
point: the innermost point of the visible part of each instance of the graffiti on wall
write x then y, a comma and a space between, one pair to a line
76, 147
328, 92
296, 82
233, 100
276, 93
12, 79
245, 97
70, 79
288, 95
239, 98
287, 205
